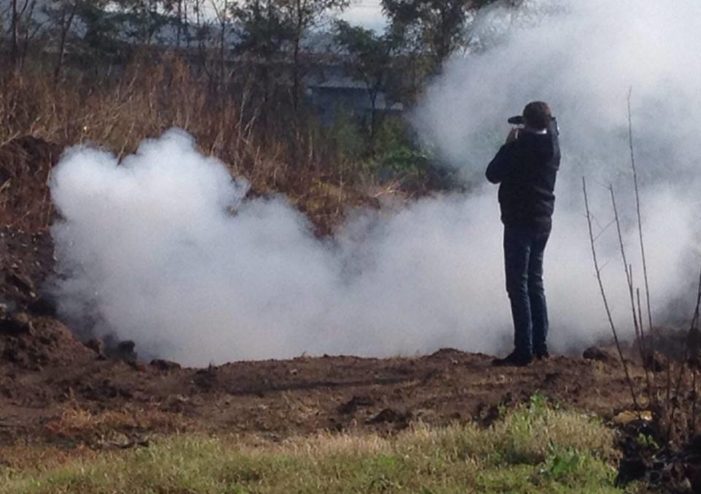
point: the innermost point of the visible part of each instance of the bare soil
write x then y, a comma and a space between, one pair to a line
46, 372
54, 388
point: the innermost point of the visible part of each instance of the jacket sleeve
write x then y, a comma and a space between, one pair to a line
500, 167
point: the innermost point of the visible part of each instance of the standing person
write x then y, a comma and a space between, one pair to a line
526, 167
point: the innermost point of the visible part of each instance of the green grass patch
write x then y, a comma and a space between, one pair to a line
535, 448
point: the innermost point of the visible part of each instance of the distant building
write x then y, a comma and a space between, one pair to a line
332, 92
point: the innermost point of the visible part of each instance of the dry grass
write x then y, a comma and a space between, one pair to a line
149, 98
533, 449
27, 456
81, 425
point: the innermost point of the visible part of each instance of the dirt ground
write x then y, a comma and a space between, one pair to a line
48, 380
54, 388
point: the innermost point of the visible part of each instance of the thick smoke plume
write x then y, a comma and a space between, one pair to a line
163, 249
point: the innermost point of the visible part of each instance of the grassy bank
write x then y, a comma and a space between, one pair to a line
534, 448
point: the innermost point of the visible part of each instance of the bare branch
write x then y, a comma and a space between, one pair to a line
637, 325
695, 318
605, 299
637, 207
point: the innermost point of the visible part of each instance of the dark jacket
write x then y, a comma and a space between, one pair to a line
526, 169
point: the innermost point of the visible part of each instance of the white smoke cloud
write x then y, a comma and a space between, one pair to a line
583, 57
152, 250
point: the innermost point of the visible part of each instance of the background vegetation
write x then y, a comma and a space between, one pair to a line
235, 74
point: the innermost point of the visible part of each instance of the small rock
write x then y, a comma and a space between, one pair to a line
23, 283
43, 306
598, 354
164, 365
449, 353
390, 415
136, 365
124, 350
354, 403
96, 346
16, 325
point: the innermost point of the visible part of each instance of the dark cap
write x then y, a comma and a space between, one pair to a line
537, 115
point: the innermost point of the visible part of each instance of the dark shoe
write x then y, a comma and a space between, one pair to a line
542, 355
512, 360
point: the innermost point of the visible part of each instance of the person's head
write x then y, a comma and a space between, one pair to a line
537, 115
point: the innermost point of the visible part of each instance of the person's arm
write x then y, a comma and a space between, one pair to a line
500, 166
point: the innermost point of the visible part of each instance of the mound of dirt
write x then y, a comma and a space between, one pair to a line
32, 343
27, 260
26, 249
25, 165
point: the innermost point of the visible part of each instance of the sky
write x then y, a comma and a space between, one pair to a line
366, 13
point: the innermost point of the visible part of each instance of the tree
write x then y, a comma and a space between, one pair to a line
271, 36
368, 57
222, 11
142, 20
303, 16
435, 27
263, 34
62, 13
176, 13
23, 27
263, 29
14, 27
101, 31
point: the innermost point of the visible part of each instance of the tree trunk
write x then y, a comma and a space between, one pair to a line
180, 24
14, 44
295, 55
186, 24
221, 53
373, 111
65, 29
24, 48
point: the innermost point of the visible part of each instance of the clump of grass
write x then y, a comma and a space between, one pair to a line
78, 424
535, 448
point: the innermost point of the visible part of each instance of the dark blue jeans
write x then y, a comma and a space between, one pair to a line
523, 256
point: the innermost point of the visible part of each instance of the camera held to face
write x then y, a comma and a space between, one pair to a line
517, 120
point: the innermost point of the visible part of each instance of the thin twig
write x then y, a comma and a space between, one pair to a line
629, 279
640, 310
626, 267
637, 207
695, 317
674, 403
605, 299
694, 402
689, 358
